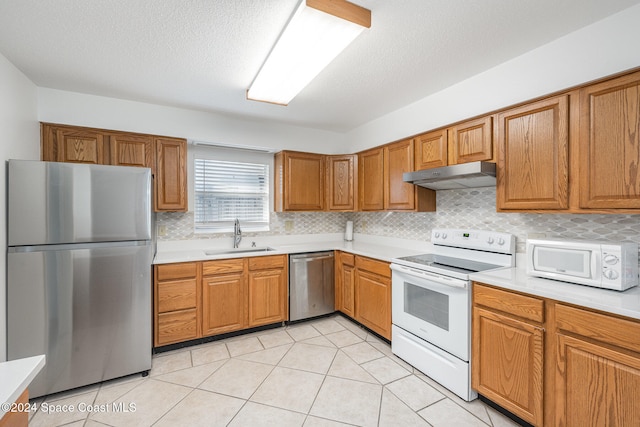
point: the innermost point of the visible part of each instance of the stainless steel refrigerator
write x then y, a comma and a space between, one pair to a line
79, 271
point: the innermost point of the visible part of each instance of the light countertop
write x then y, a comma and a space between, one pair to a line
15, 377
625, 303
380, 248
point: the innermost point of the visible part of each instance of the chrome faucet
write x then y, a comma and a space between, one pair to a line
237, 234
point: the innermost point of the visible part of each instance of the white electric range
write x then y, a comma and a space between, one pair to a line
431, 302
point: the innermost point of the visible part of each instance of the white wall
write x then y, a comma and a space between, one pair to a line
20, 140
57, 106
603, 48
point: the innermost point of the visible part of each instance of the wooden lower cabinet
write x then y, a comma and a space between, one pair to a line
18, 418
345, 283
199, 299
553, 364
176, 302
223, 303
598, 369
267, 290
373, 295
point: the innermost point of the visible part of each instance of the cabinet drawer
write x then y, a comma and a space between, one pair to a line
600, 327
506, 301
177, 326
266, 262
234, 265
378, 267
347, 259
176, 295
176, 271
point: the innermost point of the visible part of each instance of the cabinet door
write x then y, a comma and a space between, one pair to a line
131, 150
224, 302
398, 195
341, 183
345, 283
596, 385
267, 297
507, 364
77, 146
598, 368
431, 150
533, 171
170, 181
610, 144
371, 180
302, 181
373, 302
472, 141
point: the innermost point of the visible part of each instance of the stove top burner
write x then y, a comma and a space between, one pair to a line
458, 265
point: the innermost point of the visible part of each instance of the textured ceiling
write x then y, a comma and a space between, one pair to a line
203, 54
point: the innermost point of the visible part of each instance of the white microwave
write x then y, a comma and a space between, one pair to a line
609, 265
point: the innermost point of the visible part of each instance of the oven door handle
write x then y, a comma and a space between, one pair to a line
443, 280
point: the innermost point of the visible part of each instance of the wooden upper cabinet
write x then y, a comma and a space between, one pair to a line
341, 182
398, 195
371, 180
299, 181
132, 150
533, 168
471, 141
610, 144
431, 149
170, 183
74, 145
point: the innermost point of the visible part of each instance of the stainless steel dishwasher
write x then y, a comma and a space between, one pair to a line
311, 287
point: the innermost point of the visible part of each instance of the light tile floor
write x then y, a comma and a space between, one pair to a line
326, 372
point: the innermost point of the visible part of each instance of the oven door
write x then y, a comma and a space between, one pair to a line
433, 307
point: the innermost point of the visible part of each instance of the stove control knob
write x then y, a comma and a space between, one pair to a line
500, 241
490, 240
610, 274
444, 235
610, 259
437, 235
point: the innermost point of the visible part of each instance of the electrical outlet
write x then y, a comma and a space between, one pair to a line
364, 225
288, 225
162, 230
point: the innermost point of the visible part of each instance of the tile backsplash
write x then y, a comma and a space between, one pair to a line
469, 208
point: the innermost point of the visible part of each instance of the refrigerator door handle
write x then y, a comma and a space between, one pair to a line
74, 246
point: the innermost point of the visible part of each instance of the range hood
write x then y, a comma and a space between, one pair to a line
465, 175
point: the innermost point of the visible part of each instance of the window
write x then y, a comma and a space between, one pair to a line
226, 190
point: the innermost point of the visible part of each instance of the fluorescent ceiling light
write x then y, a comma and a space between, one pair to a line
316, 33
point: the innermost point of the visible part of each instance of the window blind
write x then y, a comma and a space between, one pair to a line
226, 190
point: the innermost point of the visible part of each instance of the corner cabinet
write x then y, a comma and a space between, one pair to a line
299, 181
166, 157
533, 156
610, 144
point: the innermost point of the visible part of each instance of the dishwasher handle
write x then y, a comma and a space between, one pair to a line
305, 258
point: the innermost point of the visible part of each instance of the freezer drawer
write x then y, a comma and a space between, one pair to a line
88, 310
311, 285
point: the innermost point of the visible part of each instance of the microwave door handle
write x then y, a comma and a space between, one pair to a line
595, 265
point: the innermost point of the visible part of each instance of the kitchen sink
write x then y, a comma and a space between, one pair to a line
238, 251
